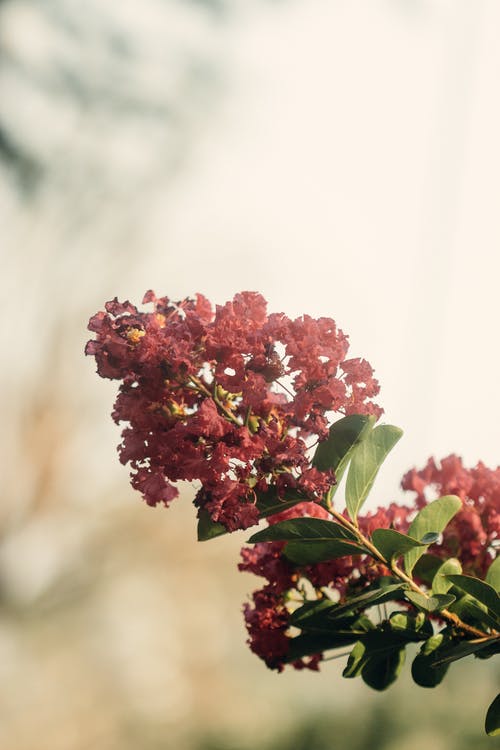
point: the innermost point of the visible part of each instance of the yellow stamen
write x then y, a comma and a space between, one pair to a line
134, 335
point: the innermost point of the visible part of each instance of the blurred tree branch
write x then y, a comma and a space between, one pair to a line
135, 77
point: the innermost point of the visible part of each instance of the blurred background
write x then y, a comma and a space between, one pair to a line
343, 159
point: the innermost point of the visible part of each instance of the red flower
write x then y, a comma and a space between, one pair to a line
473, 531
231, 399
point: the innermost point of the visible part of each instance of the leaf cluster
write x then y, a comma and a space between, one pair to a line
417, 597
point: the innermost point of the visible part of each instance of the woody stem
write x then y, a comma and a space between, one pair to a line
374, 552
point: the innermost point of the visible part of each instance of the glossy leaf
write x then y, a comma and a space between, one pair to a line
366, 461
302, 552
378, 658
335, 452
358, 603
432, 603
341, 633
381, 671
426, 675
426, 568
406, 621
312, 540
486, 653
410, 626
493, 575
434, 518
306, 529
492, 722
270, 502
391, 544
369, 598
480, 590
309, 610
473, 612
482, 616
311, 617
463, 649
440, 584
424, 672
356, 660
208, 529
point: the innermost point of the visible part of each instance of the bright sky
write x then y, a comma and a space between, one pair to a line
354, 173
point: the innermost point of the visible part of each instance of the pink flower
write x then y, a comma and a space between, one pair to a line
472, 532
231, 398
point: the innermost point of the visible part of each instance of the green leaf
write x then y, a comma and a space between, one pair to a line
381, 671
378, 658
307, 612
493, 575
335, 452
463, 649
426, 568
369, 598
270, 502
481, 615
492, 722
391, 544
480, 590
486, 653
325, 614
366, 461
302, 552
406, 620
412, 627
208, 529
426, 675
356, 604
440, 584
306, 529
356, 661
343, 632
311, 540
434, 518
473, 612
432, 603
424, 672
310, 617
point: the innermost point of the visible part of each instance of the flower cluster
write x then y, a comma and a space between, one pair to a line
267, 620
475, 530
236, 399
233, 398
471, 537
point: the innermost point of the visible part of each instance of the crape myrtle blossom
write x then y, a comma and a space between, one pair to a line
236, 399
233, 398
471, 537
475, 530
267, 621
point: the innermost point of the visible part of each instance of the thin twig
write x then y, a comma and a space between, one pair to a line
445, 614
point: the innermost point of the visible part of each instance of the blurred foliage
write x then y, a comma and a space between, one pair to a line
137, 73
374, 728
142, 73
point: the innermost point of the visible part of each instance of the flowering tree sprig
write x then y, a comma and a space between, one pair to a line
268, 414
